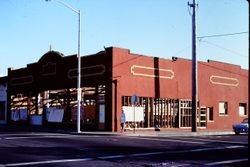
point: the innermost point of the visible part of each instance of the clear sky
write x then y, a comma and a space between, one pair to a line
160, 28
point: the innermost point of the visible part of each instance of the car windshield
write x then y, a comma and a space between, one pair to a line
245, 120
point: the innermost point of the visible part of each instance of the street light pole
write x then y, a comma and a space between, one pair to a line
79, 91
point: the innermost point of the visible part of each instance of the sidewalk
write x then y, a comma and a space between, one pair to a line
131, 132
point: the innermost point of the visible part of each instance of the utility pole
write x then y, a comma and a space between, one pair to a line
194, 69
248, 58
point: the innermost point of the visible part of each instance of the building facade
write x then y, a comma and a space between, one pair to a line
153, 92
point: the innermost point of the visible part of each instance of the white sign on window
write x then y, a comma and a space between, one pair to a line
102, 113
54, 114
241, 110
23, 114
221, 108
15, 115
133, 113
3, 94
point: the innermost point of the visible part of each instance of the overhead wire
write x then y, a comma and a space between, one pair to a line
200, 39
223, 48
222, 35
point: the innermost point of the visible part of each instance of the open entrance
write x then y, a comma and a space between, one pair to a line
59, 108
162, 112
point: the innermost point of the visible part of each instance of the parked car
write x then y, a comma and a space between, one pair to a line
241, 127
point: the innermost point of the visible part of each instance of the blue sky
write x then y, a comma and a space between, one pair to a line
160, 28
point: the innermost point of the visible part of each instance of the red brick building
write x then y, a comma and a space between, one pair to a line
152, 91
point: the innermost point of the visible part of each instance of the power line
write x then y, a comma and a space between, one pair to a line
223, 48
222, 35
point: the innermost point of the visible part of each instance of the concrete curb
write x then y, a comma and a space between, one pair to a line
157, 134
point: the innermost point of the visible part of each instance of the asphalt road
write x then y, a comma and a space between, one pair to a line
54, 149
